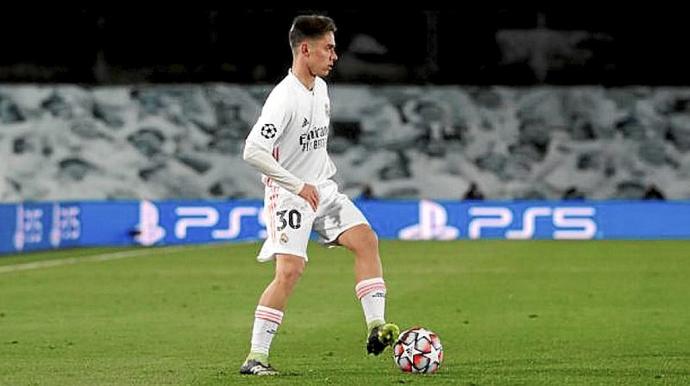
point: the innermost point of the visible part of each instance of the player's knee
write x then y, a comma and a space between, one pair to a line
290, 274
367, 246
368, 240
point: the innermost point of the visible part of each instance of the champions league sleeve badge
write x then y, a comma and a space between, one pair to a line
268, 130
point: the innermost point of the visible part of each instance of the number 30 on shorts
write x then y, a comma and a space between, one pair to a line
292, 218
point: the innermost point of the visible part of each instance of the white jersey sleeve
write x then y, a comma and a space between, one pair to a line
261, 141
293, 129
275, 117
262, 160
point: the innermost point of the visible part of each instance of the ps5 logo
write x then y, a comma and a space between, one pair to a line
207, 217
570, 223
153, 228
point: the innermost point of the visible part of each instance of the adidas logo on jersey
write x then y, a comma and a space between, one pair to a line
305, 123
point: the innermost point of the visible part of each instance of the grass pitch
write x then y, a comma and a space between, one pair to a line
507, 312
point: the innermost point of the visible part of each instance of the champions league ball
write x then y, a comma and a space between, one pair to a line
418, 350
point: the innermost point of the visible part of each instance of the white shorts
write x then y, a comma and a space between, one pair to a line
290, 219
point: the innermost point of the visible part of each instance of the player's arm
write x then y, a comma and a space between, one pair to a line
259, 158
275, 116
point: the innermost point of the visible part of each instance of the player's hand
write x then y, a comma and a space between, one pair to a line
310, 194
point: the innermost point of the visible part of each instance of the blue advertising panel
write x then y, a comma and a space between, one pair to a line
106, 222
34, 226
8, 214
47, 225
643, 220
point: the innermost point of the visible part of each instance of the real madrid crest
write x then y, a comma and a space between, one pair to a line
283, 238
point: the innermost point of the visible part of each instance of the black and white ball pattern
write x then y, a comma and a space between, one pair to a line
418, 350
268, 130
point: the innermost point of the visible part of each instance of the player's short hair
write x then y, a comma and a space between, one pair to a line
309, 27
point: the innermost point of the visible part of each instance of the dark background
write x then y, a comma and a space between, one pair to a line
511, 45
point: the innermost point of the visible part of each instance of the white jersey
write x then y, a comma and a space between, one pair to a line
294, 126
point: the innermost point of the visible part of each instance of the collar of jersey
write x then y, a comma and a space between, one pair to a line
300, 84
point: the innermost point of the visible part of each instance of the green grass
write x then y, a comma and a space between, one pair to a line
30, 257
507, 313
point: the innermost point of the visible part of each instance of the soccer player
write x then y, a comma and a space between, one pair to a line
288, 146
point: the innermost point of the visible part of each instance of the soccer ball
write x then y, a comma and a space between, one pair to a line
418, 350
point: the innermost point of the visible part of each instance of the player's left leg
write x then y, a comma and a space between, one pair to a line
370, 288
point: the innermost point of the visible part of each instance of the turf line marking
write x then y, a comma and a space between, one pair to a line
98, 258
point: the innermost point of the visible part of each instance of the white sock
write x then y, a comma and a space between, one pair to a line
266, 322
372, 294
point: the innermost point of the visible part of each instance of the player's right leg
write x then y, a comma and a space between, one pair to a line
288, 224
269, 313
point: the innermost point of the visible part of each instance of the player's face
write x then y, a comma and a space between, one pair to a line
322, 54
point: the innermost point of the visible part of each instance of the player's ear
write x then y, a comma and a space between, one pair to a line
304, 48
